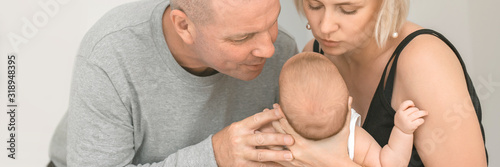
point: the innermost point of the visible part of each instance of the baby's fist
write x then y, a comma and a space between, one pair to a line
408, 117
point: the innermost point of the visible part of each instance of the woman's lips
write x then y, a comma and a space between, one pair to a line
329, 43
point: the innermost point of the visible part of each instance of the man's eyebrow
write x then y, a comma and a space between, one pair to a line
241, 35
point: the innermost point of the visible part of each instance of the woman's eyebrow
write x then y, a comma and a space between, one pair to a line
347, 2
314, 0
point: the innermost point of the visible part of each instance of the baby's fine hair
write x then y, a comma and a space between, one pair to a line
312, 95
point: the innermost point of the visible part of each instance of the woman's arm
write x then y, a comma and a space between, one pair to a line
430, 74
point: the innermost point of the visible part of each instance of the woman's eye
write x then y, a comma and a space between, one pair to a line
348, 12
315, 6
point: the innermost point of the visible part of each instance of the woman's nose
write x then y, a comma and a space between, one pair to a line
329, 24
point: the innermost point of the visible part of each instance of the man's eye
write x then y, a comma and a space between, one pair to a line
240, 39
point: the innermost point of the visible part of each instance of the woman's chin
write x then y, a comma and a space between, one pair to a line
334, 51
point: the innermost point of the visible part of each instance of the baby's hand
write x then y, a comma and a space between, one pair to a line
408, 117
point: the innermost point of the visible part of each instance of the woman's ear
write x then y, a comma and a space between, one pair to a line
183, 26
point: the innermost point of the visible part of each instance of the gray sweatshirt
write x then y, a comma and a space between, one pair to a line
131, 104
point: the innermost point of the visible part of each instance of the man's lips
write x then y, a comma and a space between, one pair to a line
255, 66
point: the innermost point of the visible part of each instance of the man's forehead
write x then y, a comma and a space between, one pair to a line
239, 9
244, 17
235, 3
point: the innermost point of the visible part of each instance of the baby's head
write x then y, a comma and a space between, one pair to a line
313, 96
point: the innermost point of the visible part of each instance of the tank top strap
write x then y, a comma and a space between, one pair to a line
316, 48
392, 73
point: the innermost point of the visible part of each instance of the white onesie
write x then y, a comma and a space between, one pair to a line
355, 120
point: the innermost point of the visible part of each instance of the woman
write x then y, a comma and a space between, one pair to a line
386, 60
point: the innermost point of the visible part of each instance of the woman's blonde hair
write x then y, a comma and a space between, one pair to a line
391, 17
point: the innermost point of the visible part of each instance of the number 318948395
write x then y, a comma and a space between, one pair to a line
11, 82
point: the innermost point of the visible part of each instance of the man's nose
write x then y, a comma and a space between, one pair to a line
264, 46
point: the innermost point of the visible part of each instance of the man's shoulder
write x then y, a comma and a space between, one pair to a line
285, 38
285, 45
117, 20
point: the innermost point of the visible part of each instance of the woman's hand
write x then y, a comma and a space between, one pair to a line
331, 151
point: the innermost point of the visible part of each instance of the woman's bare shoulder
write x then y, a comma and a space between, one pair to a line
429, 69
309, 46
425, 49
428, 51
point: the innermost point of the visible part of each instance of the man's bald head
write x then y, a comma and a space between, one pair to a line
199, 11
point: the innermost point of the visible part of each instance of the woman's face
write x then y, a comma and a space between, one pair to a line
342, 26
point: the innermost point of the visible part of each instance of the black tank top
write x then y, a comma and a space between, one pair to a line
380, 117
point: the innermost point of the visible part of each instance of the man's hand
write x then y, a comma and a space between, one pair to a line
408, 117
236, 145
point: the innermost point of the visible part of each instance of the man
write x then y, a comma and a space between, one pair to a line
154, 79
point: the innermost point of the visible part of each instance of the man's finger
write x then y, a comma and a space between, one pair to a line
263, 164
260, 119
268, 128
283, 123
277, 127
264, 155
268, 139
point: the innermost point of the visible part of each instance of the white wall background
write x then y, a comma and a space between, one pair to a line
45, 60
45, 64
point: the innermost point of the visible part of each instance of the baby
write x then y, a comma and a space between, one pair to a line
315, 101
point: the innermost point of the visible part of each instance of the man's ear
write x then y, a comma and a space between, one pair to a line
183, 26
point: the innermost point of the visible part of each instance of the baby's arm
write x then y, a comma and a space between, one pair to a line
366, 149
398, 150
